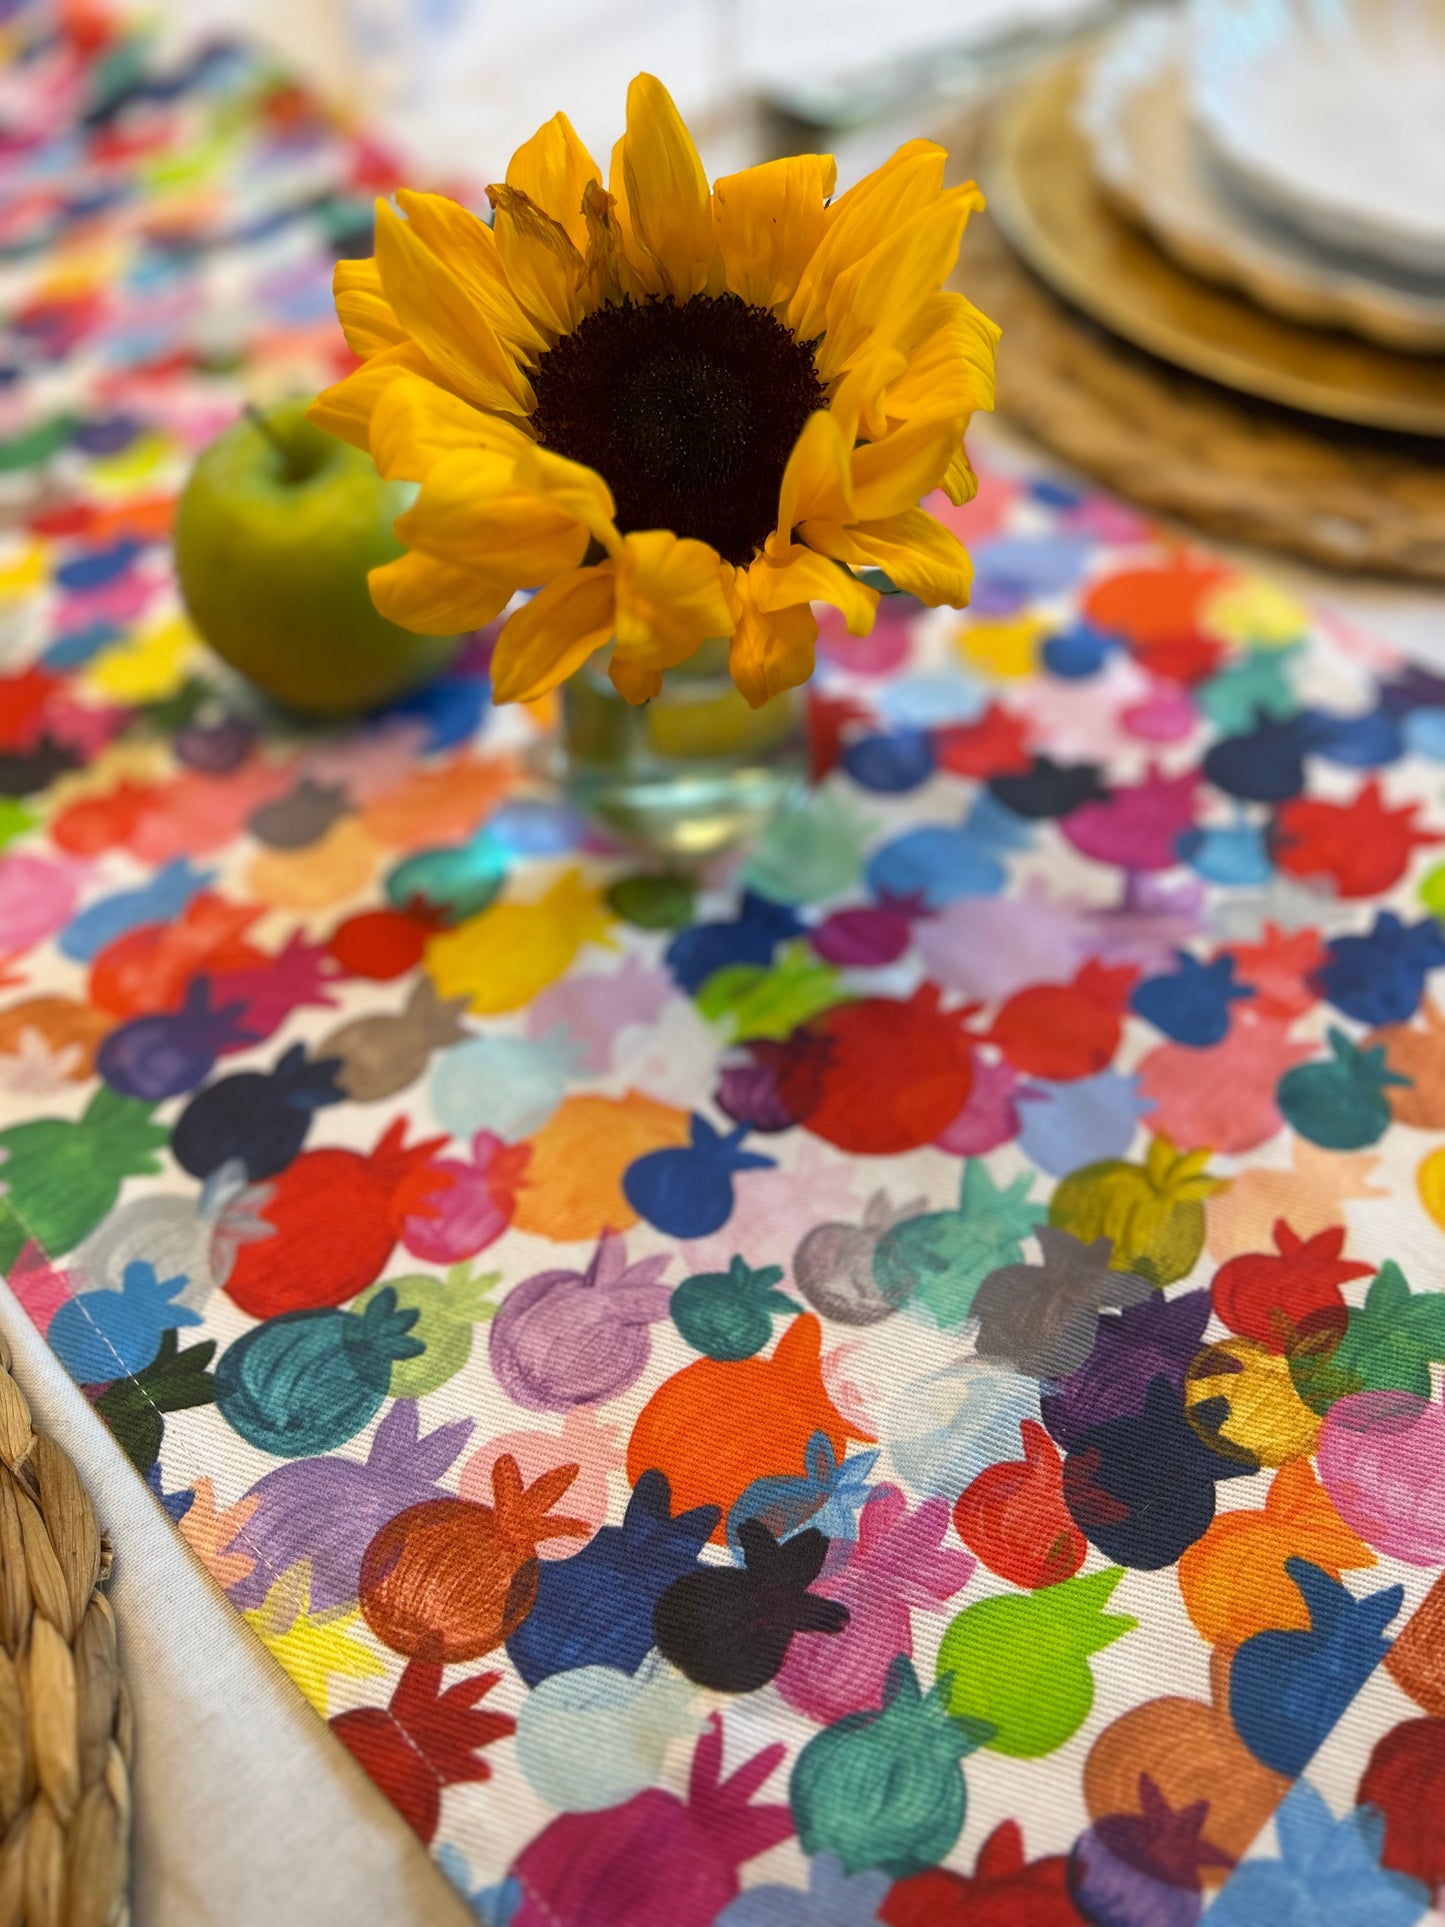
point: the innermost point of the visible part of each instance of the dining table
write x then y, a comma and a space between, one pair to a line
902, 1187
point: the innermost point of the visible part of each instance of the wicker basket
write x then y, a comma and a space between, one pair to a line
65, 1725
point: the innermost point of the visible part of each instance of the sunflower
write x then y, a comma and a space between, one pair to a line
676, 414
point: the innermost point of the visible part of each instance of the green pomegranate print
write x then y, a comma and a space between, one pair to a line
62, 1178
174, 1381
1153, 1213
885, 1789
1389, 1345
771, 1000
729, 1314
937, 1262
447, 1310
1340, 1103
1020, 1663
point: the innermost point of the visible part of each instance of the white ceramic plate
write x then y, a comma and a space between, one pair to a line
1331, 115
1152, 161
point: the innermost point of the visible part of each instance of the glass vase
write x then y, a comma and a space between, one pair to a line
694, 771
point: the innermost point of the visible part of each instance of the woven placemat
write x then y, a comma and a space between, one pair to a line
1233, 467
65, 1725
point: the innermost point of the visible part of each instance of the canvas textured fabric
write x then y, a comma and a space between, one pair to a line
898, 1377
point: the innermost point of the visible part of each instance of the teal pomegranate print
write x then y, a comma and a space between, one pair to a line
937, 1262
308, 1381
1341, 1103
885, 1789
729, 1314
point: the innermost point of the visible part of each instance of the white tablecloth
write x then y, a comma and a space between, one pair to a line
246, 1810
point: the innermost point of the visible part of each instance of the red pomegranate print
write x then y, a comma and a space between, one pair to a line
149, 969
1004, 1890
1014, 1517
335, 1218
426, 1739
1275, 1295
996, 745
380, 944
1363, 847
892, 1078
1066, 1031
1405, 1780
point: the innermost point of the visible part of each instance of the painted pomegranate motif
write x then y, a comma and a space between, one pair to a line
449, 1580
335, 1218
565, 1338
895, 1077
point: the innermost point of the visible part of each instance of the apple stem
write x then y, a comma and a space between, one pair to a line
259, 422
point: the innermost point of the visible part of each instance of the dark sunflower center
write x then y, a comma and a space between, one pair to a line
689, 412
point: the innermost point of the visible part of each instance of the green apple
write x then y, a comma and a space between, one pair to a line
275, 532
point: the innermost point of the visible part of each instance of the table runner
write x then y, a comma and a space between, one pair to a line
894, 1381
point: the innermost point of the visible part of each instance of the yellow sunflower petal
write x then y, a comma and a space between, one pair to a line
770, 651
862, 218
572, 487
609, 275
806, 577
469, 510
667, 195
894, 474
951, 366
553, 634
467, 247
769, 223
816, 481
960, 484
367, 318
415, 423
860, 399
669, 598
912, 549
440, 315
552, 169
544, 265
876, 301
435, 598
347, 407
634, 680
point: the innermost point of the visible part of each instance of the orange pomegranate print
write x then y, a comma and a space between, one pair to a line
1192, 1753
64, 1024
717, 1425
449, 1579
1234, 1581
574, 1179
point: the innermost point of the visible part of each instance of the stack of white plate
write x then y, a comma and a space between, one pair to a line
1293, 149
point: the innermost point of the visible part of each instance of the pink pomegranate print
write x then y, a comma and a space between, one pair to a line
1381, 1458
654, 1861
900, 1563
583, 1443
472, 1204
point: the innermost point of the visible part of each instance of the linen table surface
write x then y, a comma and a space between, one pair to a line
897, 1380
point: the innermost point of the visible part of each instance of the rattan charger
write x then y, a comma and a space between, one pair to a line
1234, 467
65, 1722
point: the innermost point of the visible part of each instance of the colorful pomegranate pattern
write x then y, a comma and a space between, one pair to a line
959, 1290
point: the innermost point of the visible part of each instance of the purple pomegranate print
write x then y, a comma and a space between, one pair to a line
565, 1338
